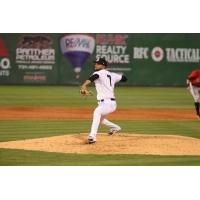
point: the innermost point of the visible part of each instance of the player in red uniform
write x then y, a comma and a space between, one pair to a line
194, 86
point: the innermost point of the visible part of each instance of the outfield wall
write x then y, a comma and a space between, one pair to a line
57, 59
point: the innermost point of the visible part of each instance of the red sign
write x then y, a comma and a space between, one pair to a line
111, 39
3, 50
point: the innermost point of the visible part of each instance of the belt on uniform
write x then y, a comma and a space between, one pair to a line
101, 100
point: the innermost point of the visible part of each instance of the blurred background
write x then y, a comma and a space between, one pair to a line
147, 59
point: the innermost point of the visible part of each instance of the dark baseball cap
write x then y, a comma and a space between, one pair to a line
101, 61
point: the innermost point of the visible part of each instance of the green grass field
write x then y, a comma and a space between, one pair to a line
127, 97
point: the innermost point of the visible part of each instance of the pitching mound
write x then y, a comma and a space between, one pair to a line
117, 144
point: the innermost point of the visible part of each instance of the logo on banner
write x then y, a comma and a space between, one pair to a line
82, 43
170, 55
35, 49
157, 54
77, 48
112, 47
35, 55
4, 60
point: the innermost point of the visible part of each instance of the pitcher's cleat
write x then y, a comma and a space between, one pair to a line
91, 141
113, 131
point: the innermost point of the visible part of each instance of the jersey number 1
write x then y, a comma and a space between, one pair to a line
109, 78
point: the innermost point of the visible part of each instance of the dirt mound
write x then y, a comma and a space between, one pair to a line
117, 144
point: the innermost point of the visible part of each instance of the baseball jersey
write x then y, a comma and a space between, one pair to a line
105, 82
194, 77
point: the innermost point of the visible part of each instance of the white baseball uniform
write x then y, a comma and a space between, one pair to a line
104, 83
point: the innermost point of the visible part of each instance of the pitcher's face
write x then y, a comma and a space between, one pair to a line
99, 66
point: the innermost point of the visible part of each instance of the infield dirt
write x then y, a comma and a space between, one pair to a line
39, 113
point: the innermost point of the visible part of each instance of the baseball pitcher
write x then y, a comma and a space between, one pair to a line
104, 83
194, 86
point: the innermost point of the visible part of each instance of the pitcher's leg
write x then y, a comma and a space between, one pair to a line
102, 110
95, 123
110, 124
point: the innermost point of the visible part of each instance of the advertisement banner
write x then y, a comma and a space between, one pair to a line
5, 65
115, 48
77, 48
33, 58
147, 59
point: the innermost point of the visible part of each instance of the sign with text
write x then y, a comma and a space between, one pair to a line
67, 59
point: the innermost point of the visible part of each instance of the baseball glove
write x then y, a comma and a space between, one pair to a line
85, 92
